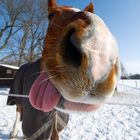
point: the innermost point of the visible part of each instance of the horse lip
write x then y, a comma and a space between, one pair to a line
67, 105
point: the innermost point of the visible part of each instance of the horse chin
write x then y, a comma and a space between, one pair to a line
83, 104
67, 106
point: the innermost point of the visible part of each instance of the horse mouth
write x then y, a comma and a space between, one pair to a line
45, 97
68, 106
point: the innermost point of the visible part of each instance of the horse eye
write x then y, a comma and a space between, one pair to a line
50, 16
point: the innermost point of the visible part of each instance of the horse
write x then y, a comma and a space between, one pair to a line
77, 72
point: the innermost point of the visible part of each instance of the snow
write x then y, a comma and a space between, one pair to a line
111, 122
131, 83
9, 66
129, 86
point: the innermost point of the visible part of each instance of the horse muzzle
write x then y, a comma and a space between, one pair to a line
85, 68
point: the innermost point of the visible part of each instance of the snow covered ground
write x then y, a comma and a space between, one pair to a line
131, 83
111, 122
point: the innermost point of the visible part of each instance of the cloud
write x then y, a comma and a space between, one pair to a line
132, 67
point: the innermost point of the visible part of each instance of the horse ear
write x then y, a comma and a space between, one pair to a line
52, 3
90, 8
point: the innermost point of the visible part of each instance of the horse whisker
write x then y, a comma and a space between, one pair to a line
39, 72
50, 77
57, 25
52, 38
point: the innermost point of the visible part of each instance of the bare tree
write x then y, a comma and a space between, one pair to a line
11, 11
124, 74
22, 31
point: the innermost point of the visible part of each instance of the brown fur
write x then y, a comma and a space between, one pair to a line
54, 45
53, 61
108, 84
90, 8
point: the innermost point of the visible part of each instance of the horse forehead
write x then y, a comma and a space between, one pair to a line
66, 15
65, 9
75, 9
70, 8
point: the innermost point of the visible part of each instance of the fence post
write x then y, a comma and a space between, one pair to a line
136, 83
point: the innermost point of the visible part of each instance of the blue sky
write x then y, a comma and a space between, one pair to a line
123, 19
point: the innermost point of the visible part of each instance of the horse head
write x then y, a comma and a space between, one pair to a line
80, 58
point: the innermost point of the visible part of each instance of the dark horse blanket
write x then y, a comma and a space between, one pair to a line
32, 119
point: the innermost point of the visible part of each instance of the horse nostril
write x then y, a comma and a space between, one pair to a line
72, 51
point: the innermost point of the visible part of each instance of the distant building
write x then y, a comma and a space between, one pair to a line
7, 73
